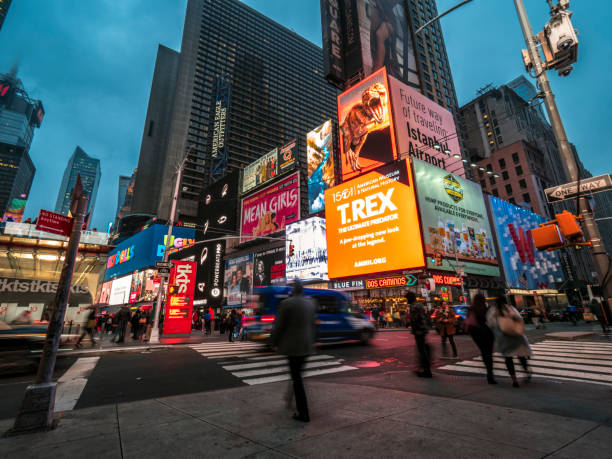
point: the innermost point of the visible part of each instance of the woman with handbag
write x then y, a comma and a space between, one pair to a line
510, 340
476, 326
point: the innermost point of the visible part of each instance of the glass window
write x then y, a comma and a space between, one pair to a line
509, 189
519, 170
492, 180
505, 175
512, 201
526, 197
522, 183
502, 163
515, 158
495, 193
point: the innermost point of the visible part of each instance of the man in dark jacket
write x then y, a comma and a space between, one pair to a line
294, 335
418, 324
123, 317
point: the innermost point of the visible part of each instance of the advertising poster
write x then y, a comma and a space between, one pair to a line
320, 159
454, 221
271, 209
309, 260
269, 267
120, 291
179, 305
333, 51
218, 208
386, 40
238, 283
366, 132
287, 156
260, 171
524, 266
105, 292
15, 211
373, 224
420, 124
210, 271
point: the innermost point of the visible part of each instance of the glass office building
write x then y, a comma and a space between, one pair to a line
89, 169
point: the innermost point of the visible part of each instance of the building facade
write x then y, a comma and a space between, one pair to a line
4, 6
274, 92
124, 184
89, 169
20, 115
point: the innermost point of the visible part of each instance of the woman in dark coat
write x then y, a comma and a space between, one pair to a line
482, 334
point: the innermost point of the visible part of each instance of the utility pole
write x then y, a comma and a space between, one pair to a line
179, 174
591, 231
38, 405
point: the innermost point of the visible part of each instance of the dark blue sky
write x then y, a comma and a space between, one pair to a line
91, 63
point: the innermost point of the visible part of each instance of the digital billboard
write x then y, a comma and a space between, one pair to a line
218, 208
271, 209
287, 156
179, 305
420, 124
366, 132
373, 224
260, 171
120, 290
210, 269
105, 292
524, 266
15, 211
309, 259
238, 283
454, 221
320, 161
269, 267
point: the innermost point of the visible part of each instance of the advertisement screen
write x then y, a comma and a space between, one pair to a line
120, 291
218, 208
372, 223
454, 221
105, 292
238, 279
210, 270
386, 40
320, 159
367, 140
309, 260
260, 171
525, 267
271, 209
420, 124
269, 267
179, 305
286, 156
15, 211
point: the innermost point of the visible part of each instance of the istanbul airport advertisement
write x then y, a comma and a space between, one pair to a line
373, 224
366, 132
454, 221
320, 158
270, 209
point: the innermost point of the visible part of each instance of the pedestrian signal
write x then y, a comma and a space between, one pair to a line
291, 249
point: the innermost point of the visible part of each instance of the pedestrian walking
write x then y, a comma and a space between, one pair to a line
482, 335
115, 327
598, 310
231, 325
135, 321
510, 340
90, 327
446, 326
294, 335
375, 317
123, 317
418, 324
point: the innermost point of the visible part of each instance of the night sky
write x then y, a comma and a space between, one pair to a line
91, 64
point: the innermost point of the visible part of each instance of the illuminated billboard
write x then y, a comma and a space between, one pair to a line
179, 304
15, 211
218, 208
320, 160
269, 267
120, 290
260, 171
309, 259
454, 221
373, 224
287, 155
524, 266
271, 209
238, 284
420, 124
367, 140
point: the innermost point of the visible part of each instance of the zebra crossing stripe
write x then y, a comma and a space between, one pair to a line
538, 357
305, 374
283, 369
576, 346
248, 356
272, 363
576, 343
70, 386
559, 353
578, 352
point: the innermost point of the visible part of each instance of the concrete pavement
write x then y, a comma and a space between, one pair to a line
348, 420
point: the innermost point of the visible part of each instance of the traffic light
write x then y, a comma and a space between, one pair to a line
569, 225
438, 259
547, 237
564, 231
291, 249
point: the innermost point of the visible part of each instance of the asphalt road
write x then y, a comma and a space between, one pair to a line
388, 362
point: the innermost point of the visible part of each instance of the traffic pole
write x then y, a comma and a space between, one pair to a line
38, 405
589, 226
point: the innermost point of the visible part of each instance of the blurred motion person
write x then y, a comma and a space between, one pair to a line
476, 326
294, 334
418, 324
446, 323
90, 326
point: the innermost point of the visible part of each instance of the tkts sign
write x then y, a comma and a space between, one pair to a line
179, 305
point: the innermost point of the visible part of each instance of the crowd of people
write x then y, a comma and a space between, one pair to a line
231, 322
116, 325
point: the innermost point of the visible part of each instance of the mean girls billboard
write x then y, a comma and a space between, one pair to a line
271, 209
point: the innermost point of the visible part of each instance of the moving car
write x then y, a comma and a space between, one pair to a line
337, 321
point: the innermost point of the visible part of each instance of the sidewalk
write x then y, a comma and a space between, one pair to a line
347, 421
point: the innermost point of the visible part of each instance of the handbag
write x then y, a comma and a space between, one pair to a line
511, 327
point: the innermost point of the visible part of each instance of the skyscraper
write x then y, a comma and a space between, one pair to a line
19, 116
272, 89
89, 169
528, 92
124, 183
4, 6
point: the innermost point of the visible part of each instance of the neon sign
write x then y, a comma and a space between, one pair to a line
446, 280
176, 244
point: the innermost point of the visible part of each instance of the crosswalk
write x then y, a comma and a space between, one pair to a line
253, 364
578, 361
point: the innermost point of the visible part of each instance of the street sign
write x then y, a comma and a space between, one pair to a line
54, 223
163, 264
411, 280
587, 186
163, 271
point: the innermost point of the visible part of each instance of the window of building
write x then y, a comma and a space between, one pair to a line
492, 180
483, 184
505, 175
439, 94
150, 132
509, 188
500, 140
428, 86
502, 163
515, 158
497, 131
522, 183
495, 193
519, 170
426, 75
526, 197
512, 201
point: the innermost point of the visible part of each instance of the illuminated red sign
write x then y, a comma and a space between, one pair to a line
54, 223
4, 89
177, 318
446, 280
398, 281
